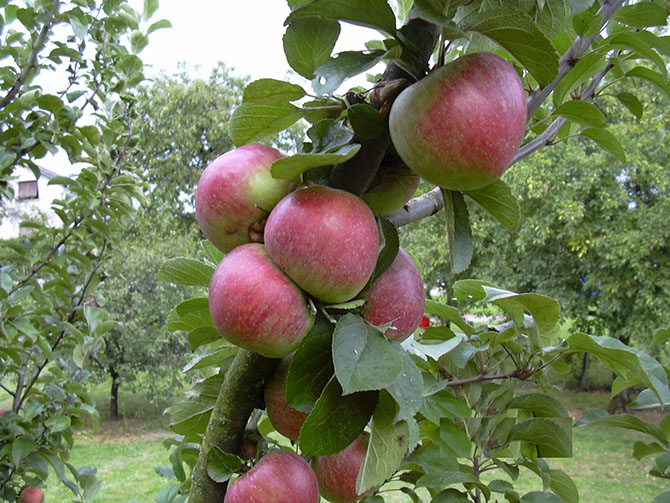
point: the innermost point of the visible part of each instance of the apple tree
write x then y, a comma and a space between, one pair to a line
50, 322
432, 413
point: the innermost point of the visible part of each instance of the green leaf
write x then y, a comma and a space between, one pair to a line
643, 449
662, 498
364, 360
655, 78
221, 465
50, 102
563, 486
607, 141
540, 405
374, 14
463, 247
336, 420
190, 414
583, 113
311, 367
545, 435
631, 102
497, 199
514, 30
545, 311
661, 336
387, 447
289, 168
308, 43
365, 121
407, 387
329, 135
540, 497
331, 74
584, 70
158, 25
442, 479
453, 440
213, 357
272, 92
150, 6
599, 417
641, 15
390, 250
21, 447
251, 121
185, 271
553, 16
201, 336
451, 496
632, 42
448, 313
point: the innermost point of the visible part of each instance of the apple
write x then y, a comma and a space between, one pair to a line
397, 297
324, 239
31, 495
255, 306
283, 417
337, 473
390, 190
460, 126
279, 477
3, 411
235, 192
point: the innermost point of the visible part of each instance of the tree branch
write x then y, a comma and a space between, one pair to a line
483, 377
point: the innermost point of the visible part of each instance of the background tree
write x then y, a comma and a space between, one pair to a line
49, 323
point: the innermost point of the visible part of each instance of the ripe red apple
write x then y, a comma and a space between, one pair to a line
254, 305
337, 473
283, 417
461, 125
3, 411
397, 297
31, 495
279, 477
390, 190
236, 191
324, 239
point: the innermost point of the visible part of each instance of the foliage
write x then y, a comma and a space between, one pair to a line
49, 321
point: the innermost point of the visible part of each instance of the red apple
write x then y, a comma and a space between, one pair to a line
31, 495
283, 417
337, 473
397, 297
255, 306
324, 239
461, 125
3, 411
236, 191
390, 190
279, 477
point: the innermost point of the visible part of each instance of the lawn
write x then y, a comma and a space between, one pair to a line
126, 452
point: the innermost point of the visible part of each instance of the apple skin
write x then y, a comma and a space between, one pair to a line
255, 306
235, 191
461, 125
337, 473
31, 495
396, 297
390, 190
279, 477
283, 417
324, 239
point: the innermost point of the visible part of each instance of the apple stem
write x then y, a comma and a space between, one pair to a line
239, 395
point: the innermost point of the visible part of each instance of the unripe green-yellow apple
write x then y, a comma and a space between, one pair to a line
397, 297
31, 495
460, 126
235, 192
390, 190
255, 306
283, 417
279, 477
337, 473
324, 239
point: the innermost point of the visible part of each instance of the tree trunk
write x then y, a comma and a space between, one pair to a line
584, 377
114, 397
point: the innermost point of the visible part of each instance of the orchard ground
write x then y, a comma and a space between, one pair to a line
125, 453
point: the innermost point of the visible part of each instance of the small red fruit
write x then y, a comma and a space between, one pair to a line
31, 495
283, 417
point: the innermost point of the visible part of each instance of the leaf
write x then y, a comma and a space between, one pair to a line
374, 14
625, 361
150, 6
364, 360
221, 465
365, 121
655, 78
553, 16
583, 113
329, 135
58, 423
539, 405
331, 74
201, 336
661, 336
563, 486
642, 15
163, 23
252, 121
336, 420
545, 311
584, 70
643, 449
289, 168
212, 357
549, 438
448, 313
607, 141
272, 92
497, 199
388, 446
311, 367
636, 44
308, 43
599, 417
407, 388
631, 102
21, 447
453, 440
190, 414
514, 30
463, 247
185, 271
662, 498
540, 497
390, 250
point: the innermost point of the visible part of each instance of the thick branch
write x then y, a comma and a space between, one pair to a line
238, 397
31, 63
